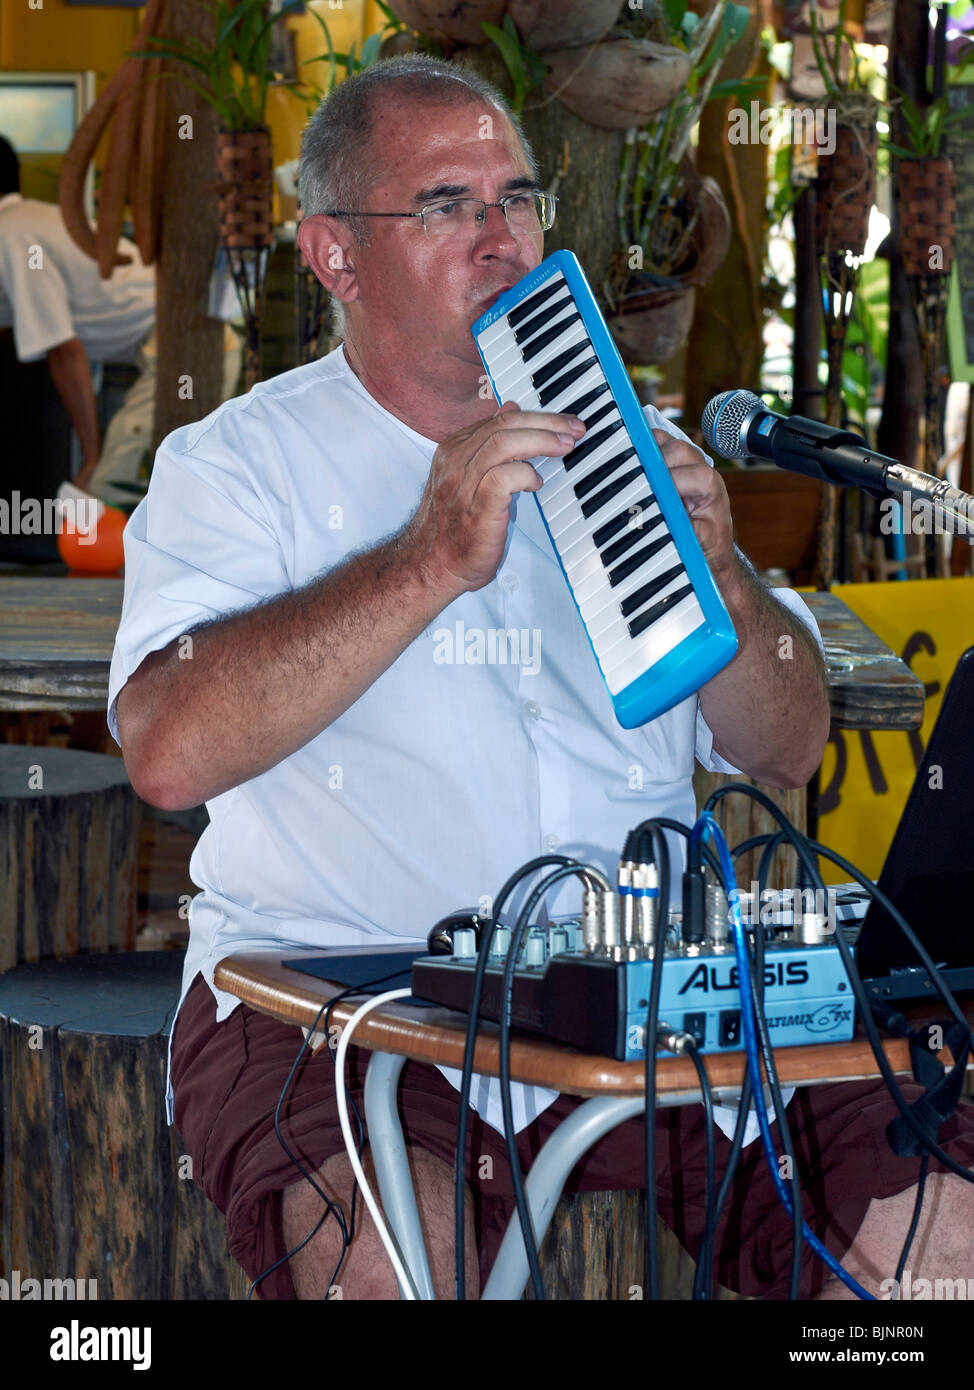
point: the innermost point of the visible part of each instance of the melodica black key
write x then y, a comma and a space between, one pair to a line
655, 619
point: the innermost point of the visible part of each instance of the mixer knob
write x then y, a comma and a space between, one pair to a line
500, 944
535, 950
464, 943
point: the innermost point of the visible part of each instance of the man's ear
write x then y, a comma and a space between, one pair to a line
329, 249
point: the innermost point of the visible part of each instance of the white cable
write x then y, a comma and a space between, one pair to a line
402, 1274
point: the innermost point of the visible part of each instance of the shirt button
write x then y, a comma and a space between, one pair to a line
510, 583
532, 709
550, 843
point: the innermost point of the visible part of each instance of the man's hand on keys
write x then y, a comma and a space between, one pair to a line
460, 528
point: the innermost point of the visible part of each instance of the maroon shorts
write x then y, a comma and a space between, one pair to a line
227, 1078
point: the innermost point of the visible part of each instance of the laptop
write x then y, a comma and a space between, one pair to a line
929, 870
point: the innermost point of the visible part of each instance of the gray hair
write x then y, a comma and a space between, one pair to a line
337, 168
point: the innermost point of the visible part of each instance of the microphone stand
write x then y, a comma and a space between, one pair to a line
949, 502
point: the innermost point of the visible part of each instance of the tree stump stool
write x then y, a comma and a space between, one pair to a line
69, 839
95, 1186
593, 1252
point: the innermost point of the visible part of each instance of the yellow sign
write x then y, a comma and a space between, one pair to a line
866, 776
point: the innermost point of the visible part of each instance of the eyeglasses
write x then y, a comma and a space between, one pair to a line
528, 211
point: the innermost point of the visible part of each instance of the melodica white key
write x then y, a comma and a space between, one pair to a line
653, 614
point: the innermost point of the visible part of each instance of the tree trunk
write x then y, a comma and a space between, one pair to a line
726, 347
899, 427
190, 364
94, 1186
69, 835
578, 163
807, 394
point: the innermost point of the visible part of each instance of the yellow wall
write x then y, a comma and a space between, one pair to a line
69, 38
65, 38
287, 115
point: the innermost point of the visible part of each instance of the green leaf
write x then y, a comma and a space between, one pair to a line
736, 20
509, 47
265, 30
234, 18
674, 11
370, 50
732, 25
178, 52
329, 55
738, 87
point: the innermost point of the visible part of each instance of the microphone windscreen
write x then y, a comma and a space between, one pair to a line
722, 420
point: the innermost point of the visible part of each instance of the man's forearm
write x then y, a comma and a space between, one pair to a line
71, 375
233, 698
769, 708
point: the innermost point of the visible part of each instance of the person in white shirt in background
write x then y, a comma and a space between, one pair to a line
262, 648
59, 307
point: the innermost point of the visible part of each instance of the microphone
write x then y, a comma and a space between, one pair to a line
738, 425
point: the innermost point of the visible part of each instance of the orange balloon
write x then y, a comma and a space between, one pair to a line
99, 551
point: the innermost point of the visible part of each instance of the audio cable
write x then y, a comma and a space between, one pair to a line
704, 1277
806, 850
771, 1071
588, 873
331, 1207
404, 1276
707, 823
653, 831
866, 1013
473, 1019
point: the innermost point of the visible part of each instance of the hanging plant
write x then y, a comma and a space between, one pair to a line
548, 24
448, 23
926, 198
673, 224
233, 75
619, 83
525, 68
925, 183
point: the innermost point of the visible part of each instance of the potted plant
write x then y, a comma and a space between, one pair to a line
925, 184
673, 224
846, 183
450, 24
234, 75
926, 199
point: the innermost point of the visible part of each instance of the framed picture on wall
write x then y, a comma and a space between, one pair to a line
39, 114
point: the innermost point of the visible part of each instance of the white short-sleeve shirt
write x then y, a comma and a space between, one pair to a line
50, 291
490, 740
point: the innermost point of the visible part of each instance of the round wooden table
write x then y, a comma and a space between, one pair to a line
56, 641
